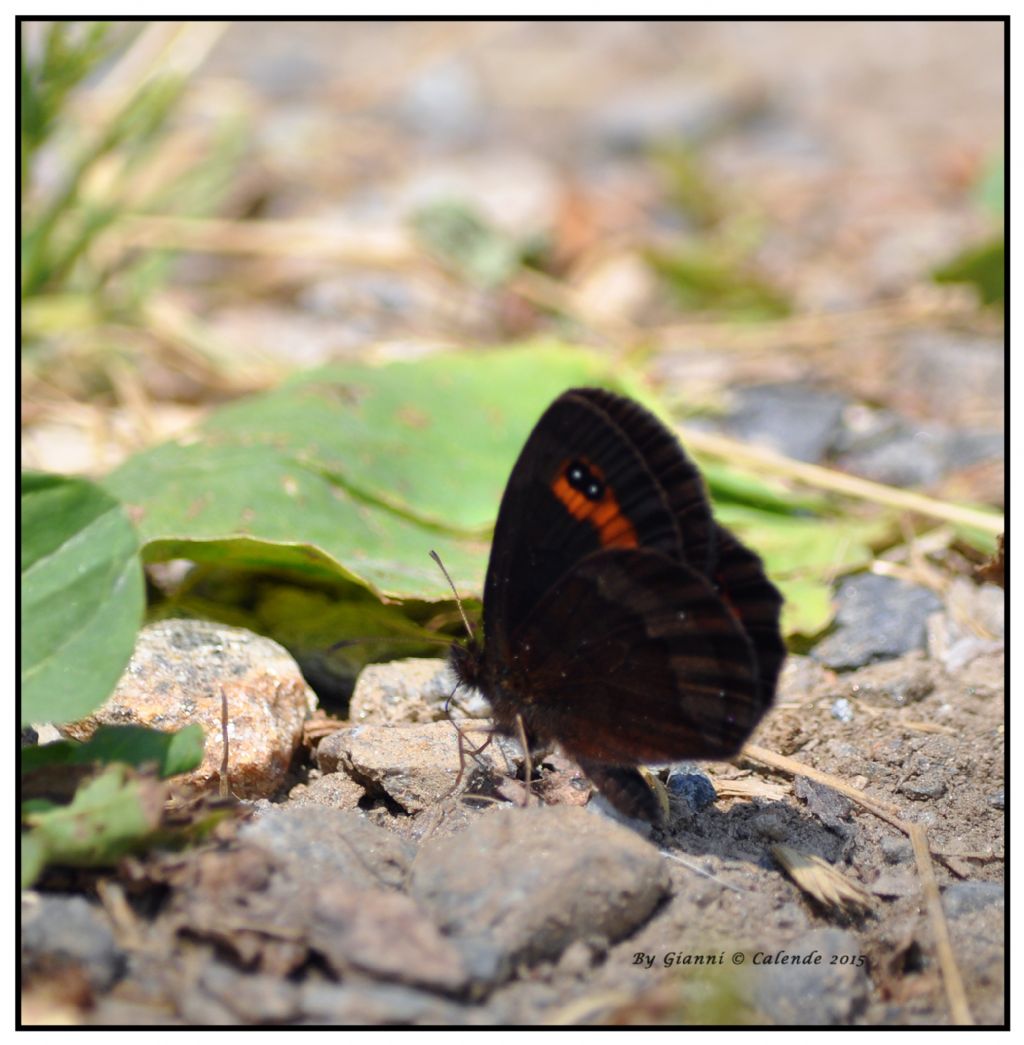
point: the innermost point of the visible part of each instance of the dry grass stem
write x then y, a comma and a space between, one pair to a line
821, 881
765, 460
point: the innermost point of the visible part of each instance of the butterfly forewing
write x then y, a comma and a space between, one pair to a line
578, 487
678, 477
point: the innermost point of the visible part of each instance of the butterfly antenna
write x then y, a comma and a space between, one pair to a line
458, 601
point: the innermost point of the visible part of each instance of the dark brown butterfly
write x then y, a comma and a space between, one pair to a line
620, 621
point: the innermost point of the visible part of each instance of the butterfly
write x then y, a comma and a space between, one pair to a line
621, 622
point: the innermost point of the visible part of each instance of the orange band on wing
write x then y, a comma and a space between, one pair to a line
614, 530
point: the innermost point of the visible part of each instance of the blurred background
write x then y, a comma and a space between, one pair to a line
775, 220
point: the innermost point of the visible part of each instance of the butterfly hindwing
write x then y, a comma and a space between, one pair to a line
630, 658
743, 586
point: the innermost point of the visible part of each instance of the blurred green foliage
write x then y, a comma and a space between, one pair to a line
983, 265
713, 268
170, 753
460, 237
110, 159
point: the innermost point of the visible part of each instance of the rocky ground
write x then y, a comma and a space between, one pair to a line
368, 891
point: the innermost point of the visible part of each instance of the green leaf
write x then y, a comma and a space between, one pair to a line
356, 472
729, 484
708, 278
33, 857
984, 267
808, 608
111, 815
459, 236
801, 554
990, 189
134, 745
82, 596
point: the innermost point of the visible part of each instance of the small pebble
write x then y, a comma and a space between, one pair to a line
928, 785
842, 709
896, 850
692, 785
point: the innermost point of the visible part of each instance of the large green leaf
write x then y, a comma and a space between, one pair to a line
353, 473
356, 471
82, 596
434, 439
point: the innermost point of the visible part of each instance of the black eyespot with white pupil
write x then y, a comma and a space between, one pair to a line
580, 477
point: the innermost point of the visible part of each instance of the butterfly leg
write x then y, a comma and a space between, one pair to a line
527, 760
466, 748
625, 788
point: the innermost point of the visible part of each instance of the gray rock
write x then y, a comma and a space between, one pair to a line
411, 690
521, 885
924, 787
962, 898
819, 994
794, 419
444, 104
692, 786
657, 112
414, 765
997, 800
878, 618
897, 850
824, 802
910, 456
906, 680
890, 884
384, 934
60, 933
320, 844
362, 1003
253, 997
966, 448
335, 790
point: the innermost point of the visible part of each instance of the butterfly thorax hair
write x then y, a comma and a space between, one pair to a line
467, 663
473, 669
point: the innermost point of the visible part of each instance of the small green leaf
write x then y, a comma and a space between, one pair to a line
111, 815
134, 745
33, 857
808, 608
990, 189
459, 236
82, 596
984, 267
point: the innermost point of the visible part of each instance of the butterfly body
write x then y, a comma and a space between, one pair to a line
621, 623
